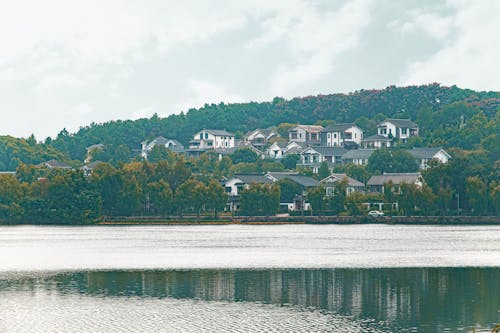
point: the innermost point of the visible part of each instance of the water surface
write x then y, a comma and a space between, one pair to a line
297, 278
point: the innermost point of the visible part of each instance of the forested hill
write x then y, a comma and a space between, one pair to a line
358, 106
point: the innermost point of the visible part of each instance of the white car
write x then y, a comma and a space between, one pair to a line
375, 213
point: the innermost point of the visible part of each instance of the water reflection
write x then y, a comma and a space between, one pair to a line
412, 299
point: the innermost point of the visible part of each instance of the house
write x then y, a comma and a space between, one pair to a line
376, 141
424, 155
401, 129
357, 156
312, 157
55, 164
277, 150
376, 183
211, 139
332, 181
91, 149
171, 144
237, 183
299, 203
88, 169
341, 135
260, 137
221, 152
305, 133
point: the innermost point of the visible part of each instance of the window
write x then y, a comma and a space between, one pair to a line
404, 131
201, 136
334, 135
206, 135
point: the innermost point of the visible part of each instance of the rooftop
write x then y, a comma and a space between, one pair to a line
339, 127
395, 178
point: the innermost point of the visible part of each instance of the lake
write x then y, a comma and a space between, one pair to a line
237, 278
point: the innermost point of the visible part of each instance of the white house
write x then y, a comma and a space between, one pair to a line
305, 133
334, 179
312, 157
340, 135
171, 144
211, 139
277, 150
237, 183
260, 137
424, 155
398, 129
376, 141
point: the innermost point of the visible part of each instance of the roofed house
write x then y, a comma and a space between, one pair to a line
260, 137
305, 133
238, 182
401, 129
341, 135
332, 181
357, 156
312, 157
211, 139
88, 169
171, 144
424, 155
376, 183
299, 202
376, 141
55, 164
277, 150
91, 149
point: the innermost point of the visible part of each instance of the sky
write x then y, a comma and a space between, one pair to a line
67, 63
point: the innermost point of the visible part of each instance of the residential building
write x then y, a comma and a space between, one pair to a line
299, 203
89, 168
91, 149
376, 141
341, 135
332, 181
55, 164
260, 137
171, 144
211, 139
277, 150
424, 155
401, 129
305, 133
312, 157
357, 156
237, 183
376, 183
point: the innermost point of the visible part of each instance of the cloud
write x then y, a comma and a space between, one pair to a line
315, 38
469, 58
201, 92
434, 25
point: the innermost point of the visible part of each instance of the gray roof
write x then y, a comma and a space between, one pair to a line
55, 164
219, 132
96, 146
403, 123
330, 151
338, 127
265, 131
249, 178
340, 176
92, 165
309, 128
305, 181
358, 154
395, 178
377, 137
421, 153
294, 150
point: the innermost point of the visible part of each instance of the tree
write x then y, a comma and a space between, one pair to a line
316, 197
260, 199
244, 155
160, 197
323, 170
477, 195
290, 161
216, 198
289, 189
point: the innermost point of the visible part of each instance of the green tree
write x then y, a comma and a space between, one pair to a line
323, 170
477, 195
216, 198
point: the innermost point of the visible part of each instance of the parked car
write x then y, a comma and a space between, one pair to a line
375, 213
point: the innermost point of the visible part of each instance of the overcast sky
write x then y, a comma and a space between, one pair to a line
66, 64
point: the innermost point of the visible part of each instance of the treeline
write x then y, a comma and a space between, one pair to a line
175, 186
366, 107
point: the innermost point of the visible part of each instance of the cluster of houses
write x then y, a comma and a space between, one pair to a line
312, 144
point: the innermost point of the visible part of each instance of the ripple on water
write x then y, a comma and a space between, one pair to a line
46, 312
